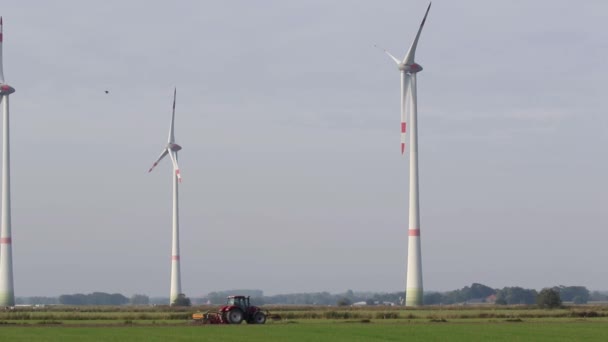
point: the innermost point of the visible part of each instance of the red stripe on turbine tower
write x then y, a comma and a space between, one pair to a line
402, 148
175, 257
414, 232
403, 126
6, 241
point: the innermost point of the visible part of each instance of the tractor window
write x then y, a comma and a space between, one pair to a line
230, 301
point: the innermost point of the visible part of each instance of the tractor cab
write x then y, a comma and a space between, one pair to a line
240, 301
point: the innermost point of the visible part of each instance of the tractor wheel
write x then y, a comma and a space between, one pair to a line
234, 316
259, 318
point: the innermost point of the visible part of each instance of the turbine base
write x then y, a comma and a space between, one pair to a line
413, 297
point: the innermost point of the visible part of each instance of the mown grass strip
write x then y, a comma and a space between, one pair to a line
559, 331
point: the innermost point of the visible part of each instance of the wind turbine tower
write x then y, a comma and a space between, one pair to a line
409, 69
171, 150
7, 291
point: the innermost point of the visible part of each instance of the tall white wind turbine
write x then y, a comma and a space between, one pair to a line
409, 69
171, 150
7, 291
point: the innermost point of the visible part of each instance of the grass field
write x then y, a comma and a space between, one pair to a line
555, 331
486, 323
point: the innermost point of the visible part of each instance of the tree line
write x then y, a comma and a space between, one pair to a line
476, 293
95, 298
479, 293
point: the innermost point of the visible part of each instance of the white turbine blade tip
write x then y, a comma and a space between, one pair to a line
153, 166
388, 54
162, 155
392, 57
425, 14
171, 127
174, 97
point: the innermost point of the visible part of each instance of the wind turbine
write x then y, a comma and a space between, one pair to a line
409, 68
7, 291
171, 150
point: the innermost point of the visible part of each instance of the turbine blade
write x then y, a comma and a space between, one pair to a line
173, 156
1, 72
171, 132
162, 155
409, 57
389, 54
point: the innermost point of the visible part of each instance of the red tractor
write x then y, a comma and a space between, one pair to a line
236, 310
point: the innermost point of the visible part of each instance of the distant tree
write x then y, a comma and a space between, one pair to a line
118, 299
37, 300
75, 299
576, 294
95, 298
343, 302
139, 299
481, 291
515, 295
455, 296
393, 297
181, 300
500, 299
432, 298
579, 300
323, 298
548, 298
598, 296
317, 298
102, 298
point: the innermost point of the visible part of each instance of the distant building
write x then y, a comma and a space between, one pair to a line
491, 299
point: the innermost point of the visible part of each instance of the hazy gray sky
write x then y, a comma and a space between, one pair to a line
289, 122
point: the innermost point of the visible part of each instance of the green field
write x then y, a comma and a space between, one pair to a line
555, 331
488, 323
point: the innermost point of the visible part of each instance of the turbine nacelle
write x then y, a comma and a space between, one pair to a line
173, 147
5, 89
410, 68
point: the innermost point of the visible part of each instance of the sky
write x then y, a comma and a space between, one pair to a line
289, 121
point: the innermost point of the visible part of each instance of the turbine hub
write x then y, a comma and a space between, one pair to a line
5, 89
410, 68
174, 147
